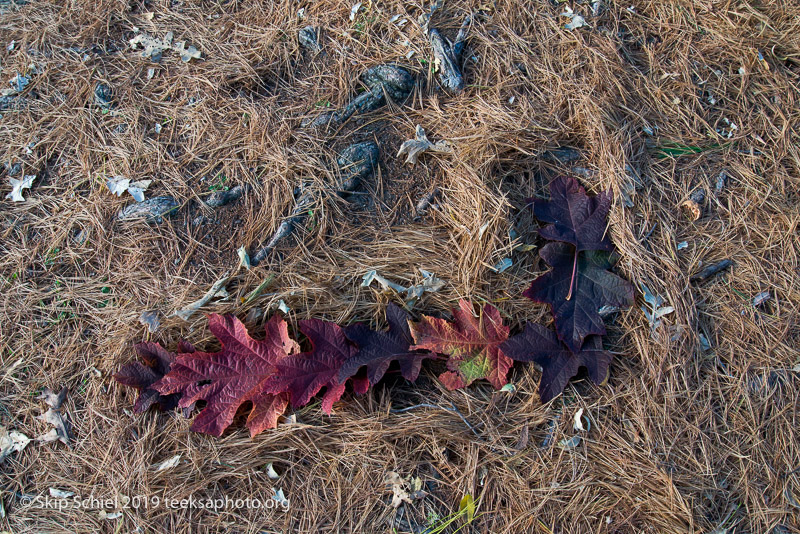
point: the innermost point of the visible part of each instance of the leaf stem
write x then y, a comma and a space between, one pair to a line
574, 270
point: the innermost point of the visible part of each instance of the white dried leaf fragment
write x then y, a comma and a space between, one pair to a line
414, 147
17, 186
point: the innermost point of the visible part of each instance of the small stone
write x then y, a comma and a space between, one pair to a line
103, 96
562, 154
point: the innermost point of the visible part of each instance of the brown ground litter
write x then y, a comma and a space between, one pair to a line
684, 438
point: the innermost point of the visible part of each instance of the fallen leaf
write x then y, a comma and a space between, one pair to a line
576, 21
541, 345
303, 375
156, 363
17, 186
430, 284
280, 498
153, 47
238, 373
399, 492
60, 430
53, 400
283, 307
60, 494
575, 217
271, 473
653, 310
576, 310
119, 184
378, 349
467, 506
373, 275
472, 344
169, 464
11, 442
570, 443
354, 11
414, 147
577, 422
502, 265
244, 258
151, 320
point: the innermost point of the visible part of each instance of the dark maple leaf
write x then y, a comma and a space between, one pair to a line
576, 217
473, 344
576, 311
157, 362
377, 350
303, 375
541, 345
235, 375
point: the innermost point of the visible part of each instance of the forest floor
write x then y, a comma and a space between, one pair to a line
697, 427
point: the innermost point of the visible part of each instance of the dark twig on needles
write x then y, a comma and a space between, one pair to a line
383, 81
355, 163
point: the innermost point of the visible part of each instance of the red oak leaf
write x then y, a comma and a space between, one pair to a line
157, 362
235, 375
576, 217
576, 310
473, 344
302, 376
377, 350
541, 345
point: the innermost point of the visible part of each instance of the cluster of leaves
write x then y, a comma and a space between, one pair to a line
271, 373
576, 288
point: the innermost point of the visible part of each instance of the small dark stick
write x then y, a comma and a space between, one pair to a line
711, 270
382, 81
356, 162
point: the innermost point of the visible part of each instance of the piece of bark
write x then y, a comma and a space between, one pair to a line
448, 57
152, 210
221, 198
308, 38
711, 270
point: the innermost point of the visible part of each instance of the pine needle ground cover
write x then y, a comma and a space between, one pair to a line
679, 121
